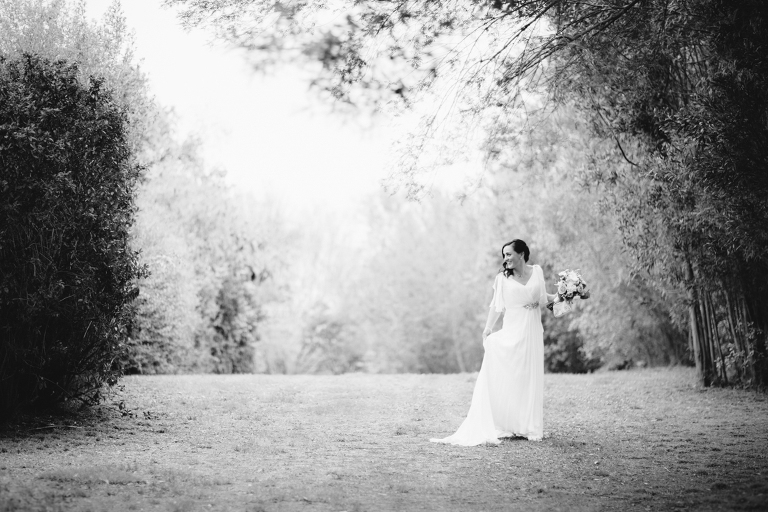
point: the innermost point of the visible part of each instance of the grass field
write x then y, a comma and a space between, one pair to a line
637, 440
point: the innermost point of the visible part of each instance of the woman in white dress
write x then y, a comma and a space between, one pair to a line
509, 392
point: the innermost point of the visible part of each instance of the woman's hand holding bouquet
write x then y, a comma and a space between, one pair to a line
569, 286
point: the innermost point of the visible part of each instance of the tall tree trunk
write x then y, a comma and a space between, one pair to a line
738, 343
709, 350
716, 337
698, 353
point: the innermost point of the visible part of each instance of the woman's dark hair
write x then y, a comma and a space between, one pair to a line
519, 247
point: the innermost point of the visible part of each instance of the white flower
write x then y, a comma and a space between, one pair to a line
571, 287
561, 287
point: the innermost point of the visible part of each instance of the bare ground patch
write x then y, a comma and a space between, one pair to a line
638, 440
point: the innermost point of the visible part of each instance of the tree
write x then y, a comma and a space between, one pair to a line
678, 87
60, 29
198, 308
67, 270
211, 254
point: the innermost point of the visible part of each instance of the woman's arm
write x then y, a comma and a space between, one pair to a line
545, 298
493, 316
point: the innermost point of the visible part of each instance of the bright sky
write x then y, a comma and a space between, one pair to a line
269, 133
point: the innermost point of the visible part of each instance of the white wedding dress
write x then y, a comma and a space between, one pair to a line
508, 400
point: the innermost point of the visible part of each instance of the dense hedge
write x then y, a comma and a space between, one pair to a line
67, 181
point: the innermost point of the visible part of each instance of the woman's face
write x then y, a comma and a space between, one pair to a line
512, 258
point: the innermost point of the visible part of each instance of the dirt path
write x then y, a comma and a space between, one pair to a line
639, 440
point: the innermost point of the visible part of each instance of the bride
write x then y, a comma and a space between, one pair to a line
509, 392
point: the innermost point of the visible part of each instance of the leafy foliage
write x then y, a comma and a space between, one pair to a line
678, 89
198, 308
68, 179
329, 345
211, 255
682, 90
564, 348
60, 29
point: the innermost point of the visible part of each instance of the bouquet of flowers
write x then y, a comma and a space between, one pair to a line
570, 285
